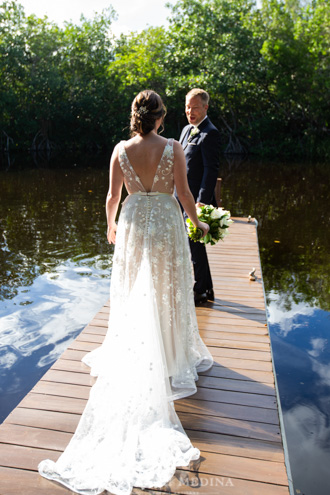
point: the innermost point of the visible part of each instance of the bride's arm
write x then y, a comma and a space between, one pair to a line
114, 195
182, 187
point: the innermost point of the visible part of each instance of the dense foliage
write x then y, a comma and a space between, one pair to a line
267, 71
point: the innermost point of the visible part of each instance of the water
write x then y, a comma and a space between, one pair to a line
291, 203
56, 267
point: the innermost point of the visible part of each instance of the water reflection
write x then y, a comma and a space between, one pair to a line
46, 217
33, 336
55, 269
309, 437
301, 352
291, 202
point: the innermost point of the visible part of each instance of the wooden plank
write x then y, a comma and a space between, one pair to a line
28, 436
239, 374
230, 426
69, 365
53, 403
19, 482
95, 330
234, 344
244, 354
83, 346
240, 398
221, 319
243, 364
236, 385
60, 376
232, 328
220, 334
60, 389
239, 317
227, 410
98, 322
17, 456
232, 445
88, 337
250, 469
50, 420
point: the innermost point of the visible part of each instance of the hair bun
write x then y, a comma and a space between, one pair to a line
147, 107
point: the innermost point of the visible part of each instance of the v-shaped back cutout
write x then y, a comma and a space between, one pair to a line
157, 168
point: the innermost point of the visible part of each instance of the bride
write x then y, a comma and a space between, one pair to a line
129, 434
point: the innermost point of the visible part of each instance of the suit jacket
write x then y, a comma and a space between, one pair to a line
202, 154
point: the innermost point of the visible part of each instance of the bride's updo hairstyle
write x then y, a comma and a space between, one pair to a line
147, 107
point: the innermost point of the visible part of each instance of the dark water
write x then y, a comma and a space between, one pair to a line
56, 266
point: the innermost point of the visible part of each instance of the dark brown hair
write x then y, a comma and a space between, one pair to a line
147, 107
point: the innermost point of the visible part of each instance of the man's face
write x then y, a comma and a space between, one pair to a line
196, 109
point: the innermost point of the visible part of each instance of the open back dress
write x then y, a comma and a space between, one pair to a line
129, 433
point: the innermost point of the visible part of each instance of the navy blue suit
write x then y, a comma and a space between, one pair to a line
202, 152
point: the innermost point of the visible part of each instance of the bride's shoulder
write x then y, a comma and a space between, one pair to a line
119, 145
176, 144
117, 150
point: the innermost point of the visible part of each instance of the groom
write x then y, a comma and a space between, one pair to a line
201, 143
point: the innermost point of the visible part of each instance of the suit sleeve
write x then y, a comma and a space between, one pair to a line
211, 157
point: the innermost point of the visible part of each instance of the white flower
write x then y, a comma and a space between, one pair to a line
217, 218
216, 213
226, 221
194, 131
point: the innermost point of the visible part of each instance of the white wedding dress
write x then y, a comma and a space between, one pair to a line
129, 434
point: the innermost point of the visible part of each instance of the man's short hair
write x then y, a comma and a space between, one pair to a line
199, 92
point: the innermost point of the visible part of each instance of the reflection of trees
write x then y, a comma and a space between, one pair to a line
297, 277
290, 203
47, 217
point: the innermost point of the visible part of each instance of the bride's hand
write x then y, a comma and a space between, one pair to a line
204, 227
111, 234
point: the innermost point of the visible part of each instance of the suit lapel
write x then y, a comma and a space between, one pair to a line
186, 131
184, 136
203, 124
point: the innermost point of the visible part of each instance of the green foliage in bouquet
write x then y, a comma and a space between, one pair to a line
218, 220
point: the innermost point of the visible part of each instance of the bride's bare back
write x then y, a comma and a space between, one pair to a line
144, 154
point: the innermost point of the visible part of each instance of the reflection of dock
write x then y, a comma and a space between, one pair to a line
233, 418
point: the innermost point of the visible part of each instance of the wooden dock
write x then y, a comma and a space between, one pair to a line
233, 419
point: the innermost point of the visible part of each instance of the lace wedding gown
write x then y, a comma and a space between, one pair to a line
129, 434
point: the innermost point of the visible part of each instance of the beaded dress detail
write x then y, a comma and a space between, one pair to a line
129, 433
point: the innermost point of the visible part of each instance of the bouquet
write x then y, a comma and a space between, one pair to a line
217, 218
